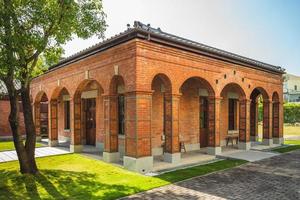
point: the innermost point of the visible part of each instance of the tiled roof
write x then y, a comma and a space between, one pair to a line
143, 31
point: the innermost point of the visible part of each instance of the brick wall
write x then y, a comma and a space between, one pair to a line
5, 130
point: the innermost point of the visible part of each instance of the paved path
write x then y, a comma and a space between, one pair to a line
6, 156
250, 155
273, 178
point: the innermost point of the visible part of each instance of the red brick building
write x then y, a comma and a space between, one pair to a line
5, 130
142, 92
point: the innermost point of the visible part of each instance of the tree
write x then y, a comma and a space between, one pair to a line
31, 37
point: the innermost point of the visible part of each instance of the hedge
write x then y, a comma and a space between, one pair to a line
291, 112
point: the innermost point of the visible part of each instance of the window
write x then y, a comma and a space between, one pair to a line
296, 88
203, 112
67, 114
231, 114
121, 114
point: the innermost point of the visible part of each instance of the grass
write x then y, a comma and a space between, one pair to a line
9, 145
287, 129
293, 145
74, 176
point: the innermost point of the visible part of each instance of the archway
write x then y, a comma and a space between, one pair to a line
161, 86
196, 110
233, 116
115, 105
41, 116
60, 127
87, 110
260, 110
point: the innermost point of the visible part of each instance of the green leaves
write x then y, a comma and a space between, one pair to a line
39, 28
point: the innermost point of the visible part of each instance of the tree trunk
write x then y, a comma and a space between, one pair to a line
14, 124
30, 129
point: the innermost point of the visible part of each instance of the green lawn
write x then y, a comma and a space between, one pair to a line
74, 176
294, 145
287, 129
9, 145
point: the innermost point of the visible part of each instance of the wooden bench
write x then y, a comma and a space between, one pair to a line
232, 135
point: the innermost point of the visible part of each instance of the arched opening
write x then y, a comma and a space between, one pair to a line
60, 117
260, 115
233, 113
116, 116
41, 115
275, 116
87, 108
195, 109
161, 85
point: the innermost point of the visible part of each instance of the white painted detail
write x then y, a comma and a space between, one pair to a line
232, 95
76, 148
141, 165
244, 145
203, 92
111, 157
278, 140
89, 94
173, 158
214, 150
268, 142
116, 69
87, 74
66, 97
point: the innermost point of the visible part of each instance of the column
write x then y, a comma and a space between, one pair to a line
277, 123
267, 122
172, 150
138, 155
110, 109
254, 121
52, 123
37, 120
244, 125
214, 106
75, 111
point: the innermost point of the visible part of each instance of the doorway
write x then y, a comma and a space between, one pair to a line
90, 110
203, 119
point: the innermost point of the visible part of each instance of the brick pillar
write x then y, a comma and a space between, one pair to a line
244, 124
267, 122
138, 108
214, 105
171, 123
277, 131
110, 109
52, 125
75, 111
37, 118
253, 121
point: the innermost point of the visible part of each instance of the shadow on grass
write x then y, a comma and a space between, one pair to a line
59, 184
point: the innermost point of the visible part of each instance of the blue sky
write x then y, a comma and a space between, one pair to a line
266, 30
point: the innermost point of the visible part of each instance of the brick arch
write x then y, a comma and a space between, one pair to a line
240, 105
259, 91
76, 109
57, 91
40, 105
40, 95
54, 115
234, 87
117, 80
163, 78
202, 81
267, 114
